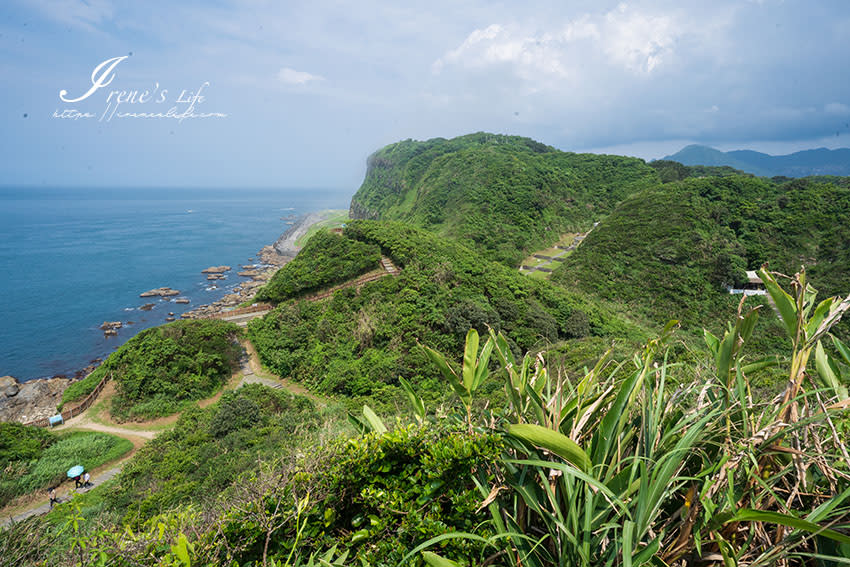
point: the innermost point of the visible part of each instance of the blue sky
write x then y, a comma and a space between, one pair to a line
310, 89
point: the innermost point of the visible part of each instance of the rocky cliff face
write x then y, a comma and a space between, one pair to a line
358, 211
28, 401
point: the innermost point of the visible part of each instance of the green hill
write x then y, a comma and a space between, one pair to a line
357, 343
673, 249
503, 195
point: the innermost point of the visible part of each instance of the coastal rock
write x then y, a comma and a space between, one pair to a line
147, 306
7, 381
110, 333
111, 325
161, 292
181, 300
249, 274
269, 255
32, 400
216, 270
12, 391
216, 277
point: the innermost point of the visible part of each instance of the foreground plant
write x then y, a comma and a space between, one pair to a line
617, 468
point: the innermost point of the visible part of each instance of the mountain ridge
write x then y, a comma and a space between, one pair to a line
804, 163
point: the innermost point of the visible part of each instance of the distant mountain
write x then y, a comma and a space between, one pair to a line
799, 164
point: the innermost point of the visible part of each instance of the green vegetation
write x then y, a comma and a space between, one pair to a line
159, 369
611, 467
543, 428
208, 449
357, 343
501, 195
20, 442
81, 388
325, 260
336, 219
674, 248
377, 495
39, 468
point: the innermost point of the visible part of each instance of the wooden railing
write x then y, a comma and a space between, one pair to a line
77, 409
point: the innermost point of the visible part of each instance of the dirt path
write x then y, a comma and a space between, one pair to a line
97, 418
253, 373
37, 503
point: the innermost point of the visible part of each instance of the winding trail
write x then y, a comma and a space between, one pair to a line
250, 372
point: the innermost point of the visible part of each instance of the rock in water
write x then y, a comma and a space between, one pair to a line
161, 292
216, 270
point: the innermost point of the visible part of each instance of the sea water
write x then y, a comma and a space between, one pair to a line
71, 259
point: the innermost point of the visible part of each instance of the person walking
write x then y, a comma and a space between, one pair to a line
87, 480
52, 494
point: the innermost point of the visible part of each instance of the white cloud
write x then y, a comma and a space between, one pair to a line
639, 42
292, 77
622, 39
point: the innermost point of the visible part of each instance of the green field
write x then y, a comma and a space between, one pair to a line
338, 219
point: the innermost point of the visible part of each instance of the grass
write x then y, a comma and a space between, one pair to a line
565, 240
89, 449
338, 218
99, 413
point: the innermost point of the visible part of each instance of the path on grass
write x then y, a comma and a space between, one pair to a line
546, 265
242, 315
64, 495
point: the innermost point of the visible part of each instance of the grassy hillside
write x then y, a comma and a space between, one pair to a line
325, 260
502, 195
162, 367
358, 343
674, 248
208, 449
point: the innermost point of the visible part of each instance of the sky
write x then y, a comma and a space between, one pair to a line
285, 93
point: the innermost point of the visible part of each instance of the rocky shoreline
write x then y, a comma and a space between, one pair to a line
36, 399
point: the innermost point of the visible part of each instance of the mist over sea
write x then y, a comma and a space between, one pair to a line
71, 259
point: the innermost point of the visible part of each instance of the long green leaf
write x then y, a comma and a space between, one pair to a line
482, 366
842, 349
435, 560
828, 372
470, 355
438, 539
440, 361
747, 515
415, 401
552, 441
784, 303
375, 422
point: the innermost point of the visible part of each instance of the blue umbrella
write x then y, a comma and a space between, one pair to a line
75, 471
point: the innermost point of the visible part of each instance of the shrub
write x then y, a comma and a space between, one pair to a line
161, 368
325, 260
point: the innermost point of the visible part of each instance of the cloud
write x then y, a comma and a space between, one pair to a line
292, 77
629, 40
639, 42
82, 14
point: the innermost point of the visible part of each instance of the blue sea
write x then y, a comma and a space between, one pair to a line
71, 259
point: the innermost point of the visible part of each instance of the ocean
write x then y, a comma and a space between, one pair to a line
71, 259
